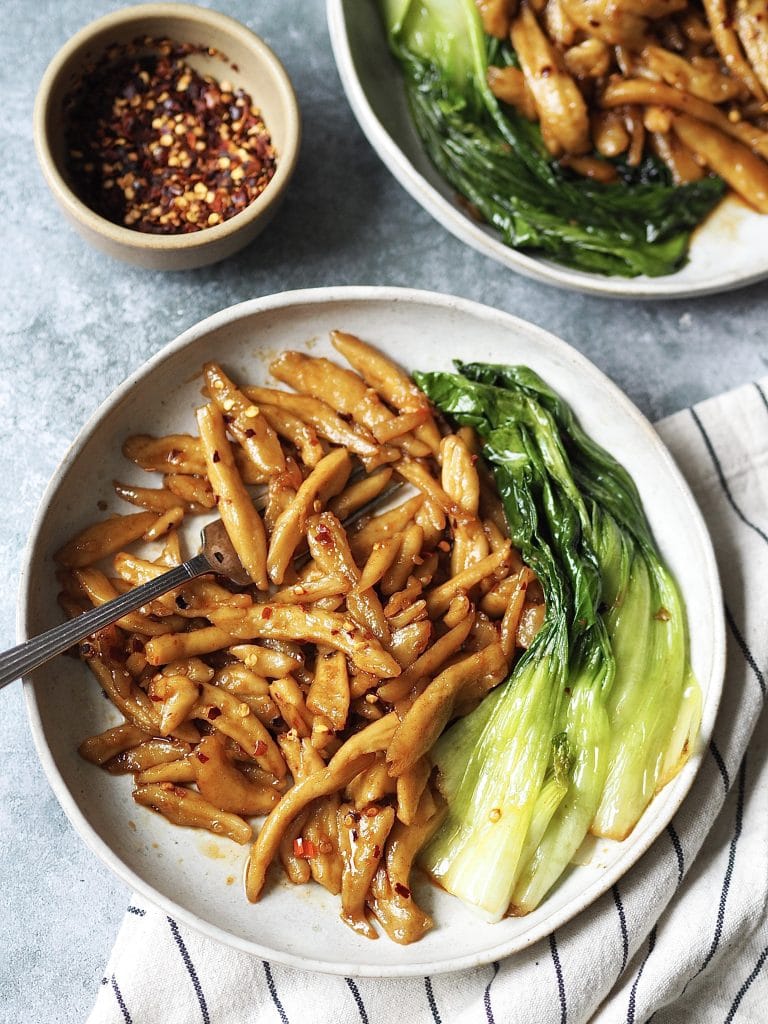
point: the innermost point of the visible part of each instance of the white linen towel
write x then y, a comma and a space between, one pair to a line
683, 937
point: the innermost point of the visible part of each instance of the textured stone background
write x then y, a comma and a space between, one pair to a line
74, 324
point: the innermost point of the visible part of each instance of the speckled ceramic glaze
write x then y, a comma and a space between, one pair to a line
198, 878
728, 251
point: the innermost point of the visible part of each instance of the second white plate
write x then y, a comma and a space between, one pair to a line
730, 250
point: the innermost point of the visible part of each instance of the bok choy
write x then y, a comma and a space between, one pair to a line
601, 709
498, 162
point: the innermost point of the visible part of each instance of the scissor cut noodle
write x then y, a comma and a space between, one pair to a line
313, 695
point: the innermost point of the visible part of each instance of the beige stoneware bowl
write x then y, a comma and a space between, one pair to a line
250, 64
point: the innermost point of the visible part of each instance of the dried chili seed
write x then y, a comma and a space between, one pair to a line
402, 890
155, 146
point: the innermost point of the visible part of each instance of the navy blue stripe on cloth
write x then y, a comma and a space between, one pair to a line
729, 869
431, 1000
121, 1001
720, 764
273, 992
190, 970
677, 847
622, 925
358, 999
748, 656
137, 911
762, 395
559, 976
631, 1008
723, 481
745, 987
487, 995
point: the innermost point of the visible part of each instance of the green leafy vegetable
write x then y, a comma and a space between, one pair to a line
600, 711
497, 160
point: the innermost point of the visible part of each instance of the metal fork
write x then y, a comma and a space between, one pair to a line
217, 556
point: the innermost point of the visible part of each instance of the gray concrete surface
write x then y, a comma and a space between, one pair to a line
74, 324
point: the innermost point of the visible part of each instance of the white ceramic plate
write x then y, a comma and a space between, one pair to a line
187, 872
729, 251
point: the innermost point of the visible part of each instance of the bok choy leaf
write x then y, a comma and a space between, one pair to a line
600, 711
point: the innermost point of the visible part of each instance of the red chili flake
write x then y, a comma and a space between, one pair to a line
304, 848
250, 432
402, 890
377, 850
371, 812
266, 613
216, 457
213, 714
155, 698
202, 758
473, 458
324, 535
260, 748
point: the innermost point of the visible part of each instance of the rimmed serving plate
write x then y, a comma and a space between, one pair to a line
197, 877
728, 251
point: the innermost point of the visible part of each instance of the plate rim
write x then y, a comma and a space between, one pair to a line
467, 231
368, 968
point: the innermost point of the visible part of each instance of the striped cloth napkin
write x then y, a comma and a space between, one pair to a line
683, 937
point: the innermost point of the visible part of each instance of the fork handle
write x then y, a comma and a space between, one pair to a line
35, 652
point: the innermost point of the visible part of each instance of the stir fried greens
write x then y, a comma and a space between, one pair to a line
601, 709
497, 160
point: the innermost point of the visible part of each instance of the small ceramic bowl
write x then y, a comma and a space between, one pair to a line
250, 65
